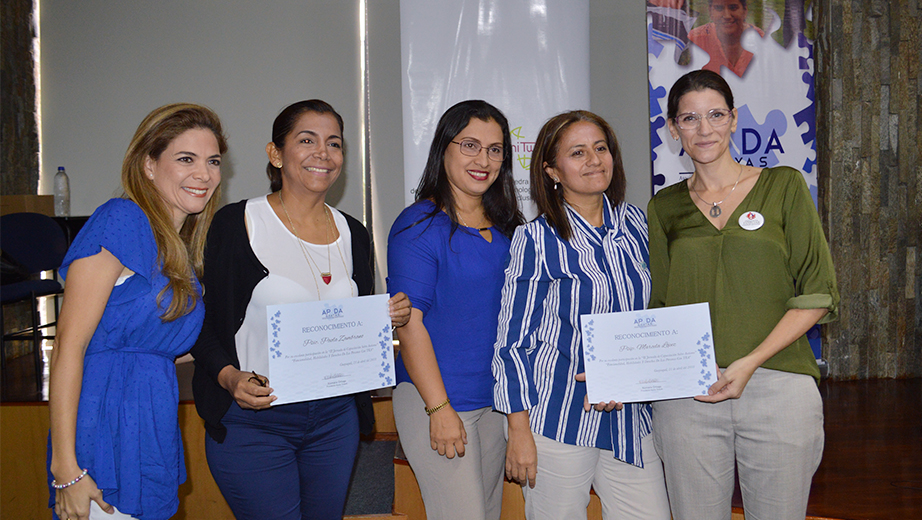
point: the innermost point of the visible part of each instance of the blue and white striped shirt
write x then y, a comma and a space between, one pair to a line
549, 284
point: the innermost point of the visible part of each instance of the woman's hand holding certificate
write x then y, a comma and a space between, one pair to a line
330, 347
648, 355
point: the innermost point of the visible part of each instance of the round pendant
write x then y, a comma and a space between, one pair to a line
715, 211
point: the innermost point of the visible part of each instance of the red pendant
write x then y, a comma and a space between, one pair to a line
327, 277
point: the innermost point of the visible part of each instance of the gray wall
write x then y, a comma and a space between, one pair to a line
105, 65
619, 85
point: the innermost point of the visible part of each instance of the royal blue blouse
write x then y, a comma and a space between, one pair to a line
128, 433
455, 280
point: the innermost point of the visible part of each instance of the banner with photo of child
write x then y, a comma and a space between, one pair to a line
764, 50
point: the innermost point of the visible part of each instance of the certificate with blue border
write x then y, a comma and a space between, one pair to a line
329, 348
648, 355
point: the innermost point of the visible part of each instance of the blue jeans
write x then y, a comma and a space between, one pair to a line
290, 462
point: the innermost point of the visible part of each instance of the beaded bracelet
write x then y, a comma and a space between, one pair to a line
430, 411
54, 483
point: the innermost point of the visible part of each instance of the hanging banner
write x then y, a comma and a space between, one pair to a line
529, 58
764, 49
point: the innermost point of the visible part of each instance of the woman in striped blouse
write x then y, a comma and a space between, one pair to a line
586, 253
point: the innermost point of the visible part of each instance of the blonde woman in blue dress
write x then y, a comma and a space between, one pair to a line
132, 303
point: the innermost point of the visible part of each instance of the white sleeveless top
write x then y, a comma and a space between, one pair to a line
291, 279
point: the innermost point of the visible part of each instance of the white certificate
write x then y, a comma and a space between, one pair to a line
648, 355
329, 348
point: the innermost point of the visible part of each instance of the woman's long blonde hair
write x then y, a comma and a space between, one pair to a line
180, 254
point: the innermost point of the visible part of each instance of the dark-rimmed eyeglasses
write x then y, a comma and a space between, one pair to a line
471, 148
716, 118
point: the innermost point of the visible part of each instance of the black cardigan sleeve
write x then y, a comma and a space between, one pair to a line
362, 259
362, 273
208, 352
232, 271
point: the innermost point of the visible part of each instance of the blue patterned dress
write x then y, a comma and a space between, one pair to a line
127, 428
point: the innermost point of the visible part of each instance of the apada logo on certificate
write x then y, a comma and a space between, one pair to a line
648, 355
329, 348
331, 312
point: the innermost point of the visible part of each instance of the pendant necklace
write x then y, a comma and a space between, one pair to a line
465, 223
342, 258
326, 276
715, 210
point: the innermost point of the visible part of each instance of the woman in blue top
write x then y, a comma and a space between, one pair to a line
131, 305
585, 254
447, 253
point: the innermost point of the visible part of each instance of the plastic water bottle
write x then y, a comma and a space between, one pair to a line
61, 193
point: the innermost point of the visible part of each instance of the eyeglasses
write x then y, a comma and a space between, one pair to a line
716, 118
471, 148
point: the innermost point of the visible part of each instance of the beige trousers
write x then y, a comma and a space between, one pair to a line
566, 473
468, 487
773, 435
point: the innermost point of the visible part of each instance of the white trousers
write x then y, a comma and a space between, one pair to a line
468, 487
566, 473
773, 433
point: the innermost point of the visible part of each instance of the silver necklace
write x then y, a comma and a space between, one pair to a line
715, 210
342, 258
326, 276
465, 223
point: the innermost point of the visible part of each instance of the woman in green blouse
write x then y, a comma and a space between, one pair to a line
749, 242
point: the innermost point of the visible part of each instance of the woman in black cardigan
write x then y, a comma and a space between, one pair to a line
291, 461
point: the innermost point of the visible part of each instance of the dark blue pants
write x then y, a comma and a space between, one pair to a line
290, 462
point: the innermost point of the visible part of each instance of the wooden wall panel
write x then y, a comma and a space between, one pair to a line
199, 497
23, 448
23, 481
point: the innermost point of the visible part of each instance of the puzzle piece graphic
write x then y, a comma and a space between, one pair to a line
653, 47
756, 143
655, 141
767, 109
808, 114
656, 94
